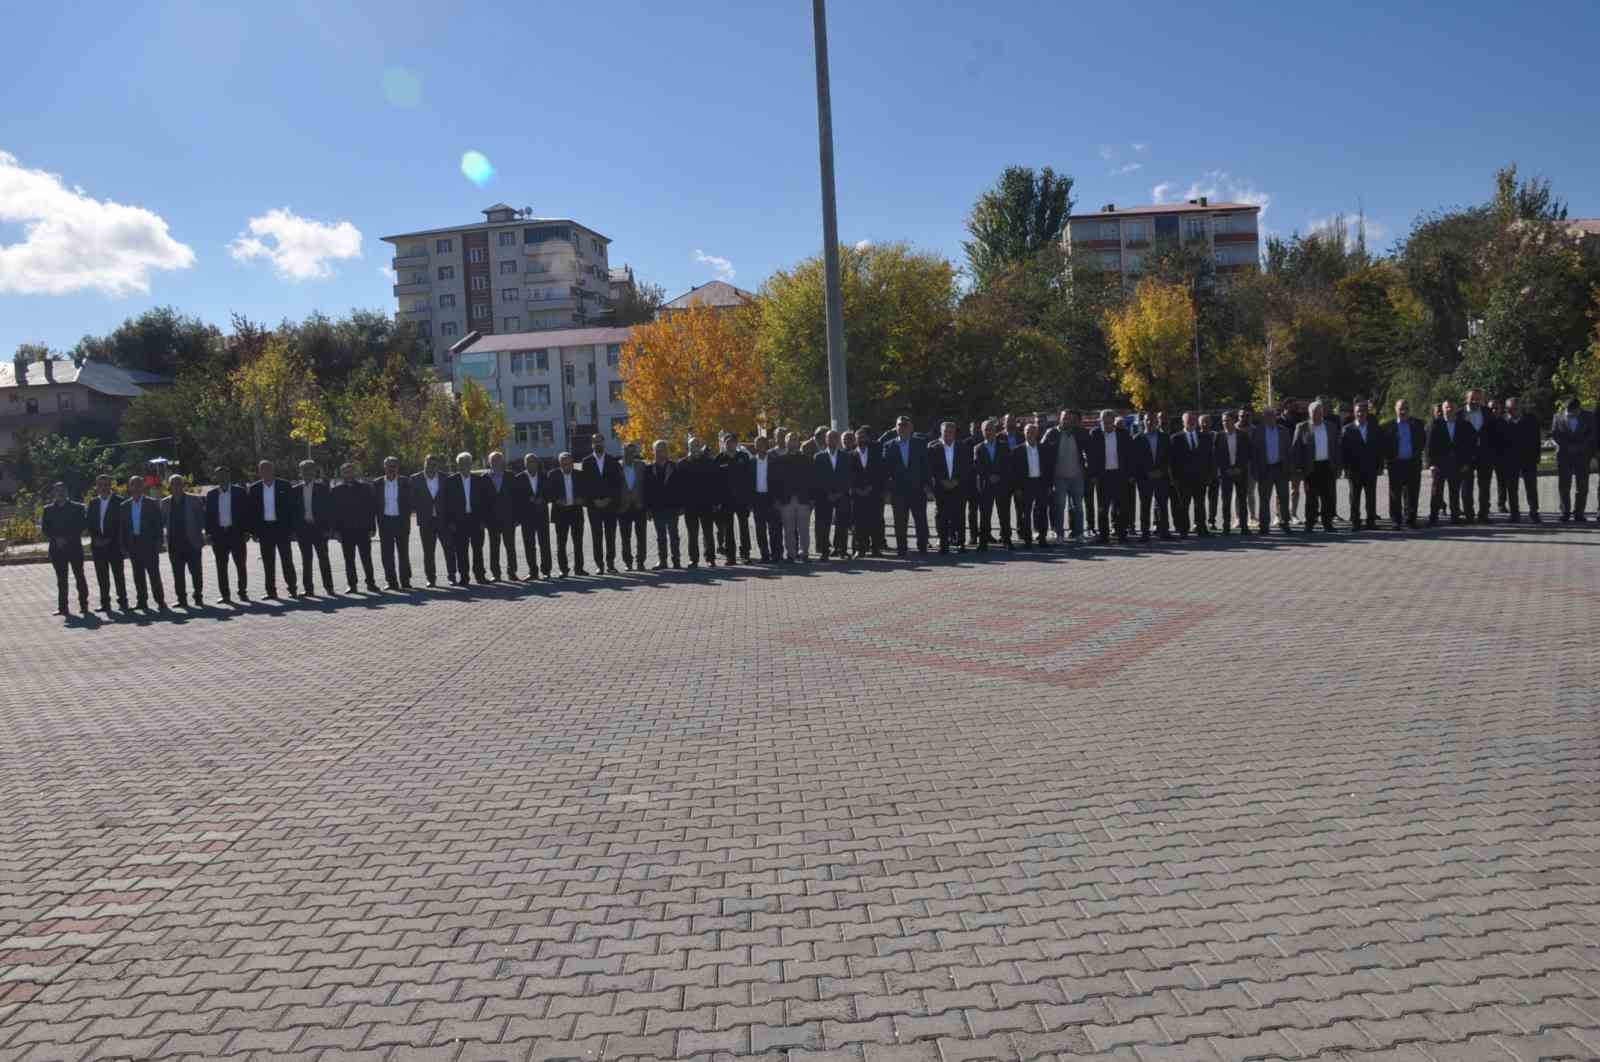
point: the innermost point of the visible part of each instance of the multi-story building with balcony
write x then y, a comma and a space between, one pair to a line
1117, 240
557, 387
509, 273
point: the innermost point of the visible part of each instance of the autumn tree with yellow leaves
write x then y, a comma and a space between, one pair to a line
694, 371
1152, 344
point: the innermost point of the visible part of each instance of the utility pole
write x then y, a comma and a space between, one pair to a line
838, 385
1194, 318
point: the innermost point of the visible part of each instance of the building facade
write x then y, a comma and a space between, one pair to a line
1117, 240
717, 294
507, 274
557, 387
57, 397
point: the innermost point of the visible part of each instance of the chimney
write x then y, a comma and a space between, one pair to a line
49, 369
1109, 208
1202, 200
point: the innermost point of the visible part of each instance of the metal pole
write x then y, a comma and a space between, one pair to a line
1194, 312
838, 385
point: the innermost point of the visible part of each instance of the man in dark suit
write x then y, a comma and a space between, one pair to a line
905, 460
1404, 443
663, 497
1193, 463
1150, 455
227, 525
1316, 459
533, 516
564, 488
991, 472
1519, 451
467, 504
1032, 472
833, 499
433, 518
631, 507
62, 524
391, 496
865, 458
140, 534
273, 516
314, 525
1573, 430
105, 543
974, 500
355, 518
501, 504
700, 485
1232, 449
1270, 457
736, 513
1361, 448
1478, 468
184, 517
1110, 463
1449, 440
602, 477
950, 465
766, 490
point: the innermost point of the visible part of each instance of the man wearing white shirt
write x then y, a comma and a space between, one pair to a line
1270, 444
225, 507
1361, 455
467, 501
1233, 457
1316, 452
105, 545
433, 518
273, 519
1110, 462
392, 494
564, 489
534, 517
764, 491
314, 526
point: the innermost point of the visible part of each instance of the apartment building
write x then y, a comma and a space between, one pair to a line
556, 386
1118, 239
507, 274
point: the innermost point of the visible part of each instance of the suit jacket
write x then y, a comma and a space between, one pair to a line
286, 508
238, 509
631, 500
775, 473
1194, 466
404, 496
1126, 459
1362, 457
555, 488
63, 524
1445, 453
993, 473
109, 544
1019, 465
1485, 439
1241, 455
906, 476
1574, 445
866, 480
602, 485
1305, 446
321, 518
735, 479
532, 505
663, 487
833, 476
939, 471
431, 511
501, 504
1520, 444
194, 518
146, 544
1152, 466
799, 478
354, 511
1391, 440
1259, 469
456, 494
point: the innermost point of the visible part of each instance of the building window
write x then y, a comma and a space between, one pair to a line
536, 396
614, 389
590, 369
448, 328
613, 353
64, 402
572, 412
538, 267
509, 265
510, 294
477, 255
544, 432
568, 374
480, 283
480, 312
1135, 232
1111, 261
510, 324
1194, 228
547, 233
517, 362
446, 301
444, 246
508, 239
541, 360
417, 278
447, 272
32, 405
1108, 230
522, 435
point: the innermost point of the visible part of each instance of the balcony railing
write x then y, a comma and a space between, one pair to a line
417, 312
420, 288
411, 261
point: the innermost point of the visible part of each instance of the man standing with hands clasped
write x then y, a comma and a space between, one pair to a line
105, 544
63, 525
392, 493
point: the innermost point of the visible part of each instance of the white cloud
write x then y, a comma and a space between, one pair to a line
723, 267
388, 273
300, 249
1160, 192
1215, 184
1107, 152
1141, 148
862, 245
1127, 168
72, 242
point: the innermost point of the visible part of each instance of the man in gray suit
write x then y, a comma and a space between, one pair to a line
1269, 468
184, 516
630, 508
1574, 433
139, 529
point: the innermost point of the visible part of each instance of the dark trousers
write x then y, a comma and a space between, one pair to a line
833, 525
275, 548
916, 508
228, 544
1153, 496
569, 522
1273, 484
147, 577
185, 561
631, 525
866, 513
431, 531
1033, 518
394, 546
1476, 504
1114, 503
699, 521
1405, 485
1529, 476
312, 541
1235, 494
466, 541
948, 508
1189, 499
1569, 469
603, 536
1213, 496
1022, 511
1321, 494
357, 544
994, 500
108, 563
1445, 479
974, 509
536, 543
1363, 485
729, 519
666, 521
1089, 493
74, 563
502, 535
769, 528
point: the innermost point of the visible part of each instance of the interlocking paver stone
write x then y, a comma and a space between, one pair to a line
1291, 797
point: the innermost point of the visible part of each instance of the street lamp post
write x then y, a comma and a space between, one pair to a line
838, 390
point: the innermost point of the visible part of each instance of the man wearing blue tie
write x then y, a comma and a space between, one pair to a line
906, 457
1403, 446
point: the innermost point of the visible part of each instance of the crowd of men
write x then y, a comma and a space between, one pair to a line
1018, 472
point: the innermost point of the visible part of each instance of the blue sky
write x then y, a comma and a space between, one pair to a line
687, 132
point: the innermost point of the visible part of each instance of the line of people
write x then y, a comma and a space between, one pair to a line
1064, 478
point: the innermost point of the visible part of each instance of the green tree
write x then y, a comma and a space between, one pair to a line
483, 426
59, 459
637, 304
1023, 213
160, 340
1152, 340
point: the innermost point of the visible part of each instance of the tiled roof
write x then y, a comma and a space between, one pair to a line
715, 293
555, 337
95, 375
1163, 208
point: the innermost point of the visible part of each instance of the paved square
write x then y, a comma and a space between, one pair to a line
1325, 797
